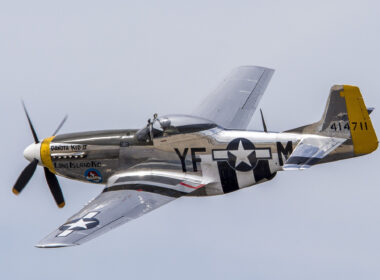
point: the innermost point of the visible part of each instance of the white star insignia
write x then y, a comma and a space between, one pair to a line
241, 155
78, 225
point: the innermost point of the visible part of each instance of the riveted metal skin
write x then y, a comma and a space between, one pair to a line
108, 152
210, 153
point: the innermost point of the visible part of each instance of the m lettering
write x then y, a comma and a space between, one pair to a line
284, 151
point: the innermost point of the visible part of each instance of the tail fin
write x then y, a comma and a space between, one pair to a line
346, 116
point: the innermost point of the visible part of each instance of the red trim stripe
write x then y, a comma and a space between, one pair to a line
186, 185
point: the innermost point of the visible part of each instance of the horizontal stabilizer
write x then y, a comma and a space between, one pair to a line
310, 151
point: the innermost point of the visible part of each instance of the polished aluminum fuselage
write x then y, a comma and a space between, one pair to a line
96, 156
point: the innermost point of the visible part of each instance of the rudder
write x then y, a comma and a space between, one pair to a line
362, 132
345, 116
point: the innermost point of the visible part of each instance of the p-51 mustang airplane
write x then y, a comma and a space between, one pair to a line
208, 153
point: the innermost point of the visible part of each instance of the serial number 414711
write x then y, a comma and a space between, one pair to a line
338, 126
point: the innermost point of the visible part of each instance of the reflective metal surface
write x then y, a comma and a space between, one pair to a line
176, 155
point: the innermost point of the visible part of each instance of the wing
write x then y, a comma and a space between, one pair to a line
310, 151
126, 197
233, 103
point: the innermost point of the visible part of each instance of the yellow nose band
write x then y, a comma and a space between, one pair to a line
45, 154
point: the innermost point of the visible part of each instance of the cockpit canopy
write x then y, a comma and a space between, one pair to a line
174, 124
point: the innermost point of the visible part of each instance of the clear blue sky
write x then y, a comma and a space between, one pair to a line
112, 64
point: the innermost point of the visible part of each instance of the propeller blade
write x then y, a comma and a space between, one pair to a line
262, 119
55, 189
24, 177
30, 124
60, 125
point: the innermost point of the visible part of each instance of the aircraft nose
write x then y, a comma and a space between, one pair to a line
33, 152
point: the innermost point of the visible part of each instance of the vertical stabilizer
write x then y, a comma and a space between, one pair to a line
345, 116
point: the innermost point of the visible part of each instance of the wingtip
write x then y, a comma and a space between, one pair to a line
53, 245
16, 192
61, 205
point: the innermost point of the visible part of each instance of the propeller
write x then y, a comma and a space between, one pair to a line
24, 177
29, 170
30, 124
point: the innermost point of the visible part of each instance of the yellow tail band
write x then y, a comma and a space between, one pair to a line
363, 135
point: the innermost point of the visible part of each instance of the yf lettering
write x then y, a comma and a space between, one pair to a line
194, 158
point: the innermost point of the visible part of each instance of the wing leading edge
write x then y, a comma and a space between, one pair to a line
128, 196
233, 103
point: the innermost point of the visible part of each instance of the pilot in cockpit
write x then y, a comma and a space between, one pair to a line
172, 125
